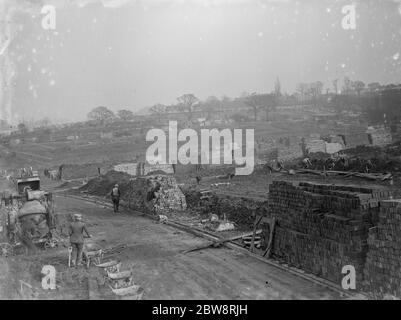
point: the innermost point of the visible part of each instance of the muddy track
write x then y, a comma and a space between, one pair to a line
220, 263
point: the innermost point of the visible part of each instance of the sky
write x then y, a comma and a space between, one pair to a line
134, 54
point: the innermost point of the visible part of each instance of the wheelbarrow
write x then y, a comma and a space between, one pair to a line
92, 252
112, 266
133, 292
122, 279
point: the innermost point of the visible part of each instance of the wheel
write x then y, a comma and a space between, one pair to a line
6, 249
50, 244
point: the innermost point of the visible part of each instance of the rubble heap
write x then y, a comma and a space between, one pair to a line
158, 194
379, 135
140, 193
321, 228
383, 263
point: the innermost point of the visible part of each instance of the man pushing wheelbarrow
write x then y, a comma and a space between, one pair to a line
76, 232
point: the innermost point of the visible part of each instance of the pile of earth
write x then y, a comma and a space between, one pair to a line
102, 185
183, 172
394, 149
75, 171
364, 151
152, 194
156, 194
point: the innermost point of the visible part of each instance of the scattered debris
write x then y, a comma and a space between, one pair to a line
217, 244
345, 174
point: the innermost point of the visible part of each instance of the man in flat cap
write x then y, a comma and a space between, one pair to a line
76, 232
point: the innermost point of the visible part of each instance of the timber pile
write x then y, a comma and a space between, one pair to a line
345, 174
321, 228
383, 263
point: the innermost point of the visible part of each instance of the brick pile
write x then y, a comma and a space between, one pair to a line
383, 263
321, 228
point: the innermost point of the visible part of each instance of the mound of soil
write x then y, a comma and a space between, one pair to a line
102, 185
75, 171
152, 194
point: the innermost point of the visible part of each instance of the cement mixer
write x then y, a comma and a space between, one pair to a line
26, 217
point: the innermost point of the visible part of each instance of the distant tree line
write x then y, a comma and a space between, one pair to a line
375, 100
102, 114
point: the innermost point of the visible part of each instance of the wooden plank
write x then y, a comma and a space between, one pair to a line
216, 244
255, 225
270, 245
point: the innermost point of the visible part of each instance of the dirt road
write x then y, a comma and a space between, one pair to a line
165, 273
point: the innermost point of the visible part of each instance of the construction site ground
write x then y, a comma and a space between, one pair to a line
154, 251
257, 184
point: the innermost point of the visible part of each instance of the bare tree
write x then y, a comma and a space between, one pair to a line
315, 90
158, 109
186, 103
261, 101
22, 128
100, 114
358, 86
125, 115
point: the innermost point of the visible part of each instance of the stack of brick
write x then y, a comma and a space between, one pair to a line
383, 263
3, 223
321, 228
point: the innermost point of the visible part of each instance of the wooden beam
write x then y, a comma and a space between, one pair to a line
270, 245
255, 225
218, 243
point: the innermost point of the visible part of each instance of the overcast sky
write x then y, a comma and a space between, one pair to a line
134, 54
